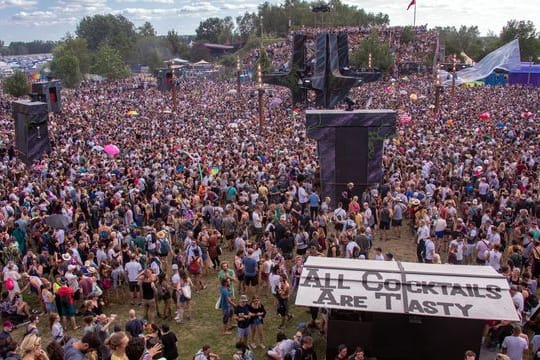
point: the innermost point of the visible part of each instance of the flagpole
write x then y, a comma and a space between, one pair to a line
414, 20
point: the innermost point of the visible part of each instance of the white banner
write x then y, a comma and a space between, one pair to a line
474, 292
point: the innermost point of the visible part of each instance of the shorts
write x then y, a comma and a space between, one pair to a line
396, 223
68, 310
240, 277
134, 286
256, 321
227, 315
480, 261
265, 276
251, 280
439, 234
243, 332
469, 248
50, 307
301, 251
182, 299
384, 225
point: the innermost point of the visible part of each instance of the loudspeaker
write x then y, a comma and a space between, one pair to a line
48, 92
164, 80
31, 130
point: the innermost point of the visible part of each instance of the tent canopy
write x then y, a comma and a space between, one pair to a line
456, 291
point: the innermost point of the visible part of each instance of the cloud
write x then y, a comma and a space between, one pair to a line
230, 6
17, 3
147, 1
202, 7
142, 14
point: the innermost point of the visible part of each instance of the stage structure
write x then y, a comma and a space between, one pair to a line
31, 130
48, 92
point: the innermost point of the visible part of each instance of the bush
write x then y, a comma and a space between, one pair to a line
17, 84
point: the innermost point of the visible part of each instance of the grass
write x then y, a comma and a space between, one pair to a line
205, 326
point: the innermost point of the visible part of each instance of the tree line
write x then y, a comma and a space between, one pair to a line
108, 45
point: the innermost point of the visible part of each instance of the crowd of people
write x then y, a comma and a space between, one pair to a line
192, 189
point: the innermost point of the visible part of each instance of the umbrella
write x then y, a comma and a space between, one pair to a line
276, 102
97, 148
232, 91
111, 149
132, 113
57, 221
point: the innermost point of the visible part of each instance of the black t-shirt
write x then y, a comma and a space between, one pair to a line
147, 291
305, 354
134, 327
169, 340
243, 316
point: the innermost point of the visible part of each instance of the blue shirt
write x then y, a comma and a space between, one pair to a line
225, 295
314, 200
250, 266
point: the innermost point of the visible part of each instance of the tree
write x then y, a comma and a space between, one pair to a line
381, 55
247, 25
151, 51
175, 45
115, 31
525, 31
77, 47
408, 35
146, 30
109, 64
264, 60
215, 30
17, 84
66, 67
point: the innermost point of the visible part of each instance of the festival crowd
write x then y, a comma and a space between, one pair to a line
82, 229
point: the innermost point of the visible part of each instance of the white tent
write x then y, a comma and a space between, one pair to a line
456, 291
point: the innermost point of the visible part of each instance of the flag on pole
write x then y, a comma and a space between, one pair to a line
413, 2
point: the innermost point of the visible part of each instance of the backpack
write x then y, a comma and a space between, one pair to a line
164, 247
156, 260
194, 267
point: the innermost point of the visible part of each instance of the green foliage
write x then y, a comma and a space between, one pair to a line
215, 30
381, 55
109, 64
466, 39
408, 35
17, 84
146, 30
152, 51
115, 31
174, 43
247, 25
77, 47
529, 41
66, 67
264, 60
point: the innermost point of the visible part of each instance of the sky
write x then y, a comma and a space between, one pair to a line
27, 20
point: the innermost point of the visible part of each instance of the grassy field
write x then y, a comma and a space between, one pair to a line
205, 326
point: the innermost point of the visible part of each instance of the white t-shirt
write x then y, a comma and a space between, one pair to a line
460, 245
515, 345
133, 268
349, 249
495, 259
430, 249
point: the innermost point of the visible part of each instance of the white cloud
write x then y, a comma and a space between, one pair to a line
246, 7
17, 3
147, 1
202, 7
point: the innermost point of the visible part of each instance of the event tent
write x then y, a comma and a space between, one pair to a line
368, 300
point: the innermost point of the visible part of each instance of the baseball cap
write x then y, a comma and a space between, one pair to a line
174, 267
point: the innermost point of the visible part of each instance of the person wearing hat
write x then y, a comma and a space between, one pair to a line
243, 318
66, 298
